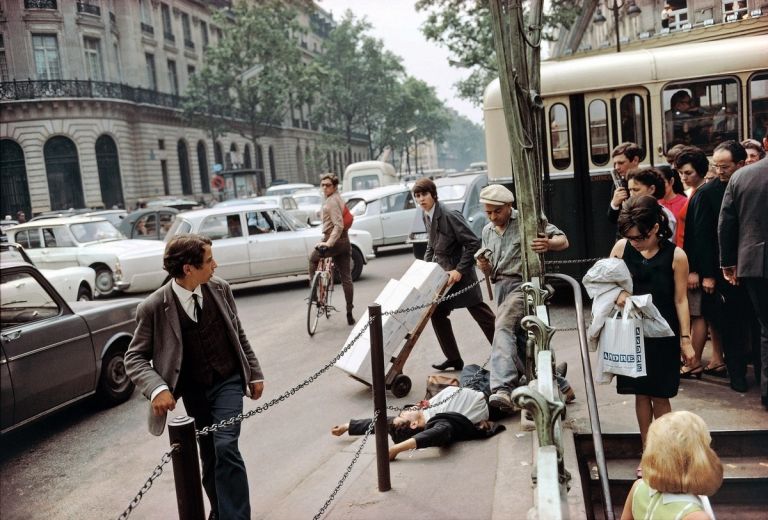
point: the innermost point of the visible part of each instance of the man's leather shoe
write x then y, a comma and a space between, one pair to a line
456, 364
561, 369
350, 319
739, 384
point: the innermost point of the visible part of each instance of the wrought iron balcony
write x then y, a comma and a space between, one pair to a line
40, 4
146, 28
82, 7
23, 90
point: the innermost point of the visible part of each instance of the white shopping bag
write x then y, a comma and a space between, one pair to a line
621, 349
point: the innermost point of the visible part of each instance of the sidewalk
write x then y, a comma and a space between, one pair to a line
491, 479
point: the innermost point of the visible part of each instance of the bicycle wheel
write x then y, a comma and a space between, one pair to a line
314, 309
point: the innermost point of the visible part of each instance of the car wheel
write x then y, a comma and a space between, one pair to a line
357, 264
105, 281
84, 294
115, 386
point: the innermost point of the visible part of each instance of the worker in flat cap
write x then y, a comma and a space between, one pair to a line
504, 267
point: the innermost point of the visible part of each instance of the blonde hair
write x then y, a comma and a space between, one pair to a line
678, 457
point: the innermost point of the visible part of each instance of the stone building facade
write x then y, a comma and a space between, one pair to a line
91, 116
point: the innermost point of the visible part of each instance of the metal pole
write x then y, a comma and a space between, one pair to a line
379, 398
186, 469
615, 10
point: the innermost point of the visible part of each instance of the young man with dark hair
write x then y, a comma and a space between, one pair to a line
452, 245
190, 344
626, 157
335, 239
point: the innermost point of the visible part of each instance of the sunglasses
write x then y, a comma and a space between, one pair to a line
638, 238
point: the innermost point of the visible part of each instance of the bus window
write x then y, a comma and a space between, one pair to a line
558, 131
598, 132
758, 106
701, 113
633, 122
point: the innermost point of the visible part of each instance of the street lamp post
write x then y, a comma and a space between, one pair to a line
632, 10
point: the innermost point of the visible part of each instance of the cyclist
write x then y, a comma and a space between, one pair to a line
335, 238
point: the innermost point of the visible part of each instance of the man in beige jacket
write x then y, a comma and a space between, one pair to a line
335, 239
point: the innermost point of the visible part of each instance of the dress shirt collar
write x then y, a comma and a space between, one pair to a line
185, 295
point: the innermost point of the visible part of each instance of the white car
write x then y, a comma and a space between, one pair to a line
311, 201
120, 264
288, 189
387, 213
259, 241
286, 202
72, 283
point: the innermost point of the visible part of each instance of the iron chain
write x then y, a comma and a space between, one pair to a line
349, 468
573, 261
166, 458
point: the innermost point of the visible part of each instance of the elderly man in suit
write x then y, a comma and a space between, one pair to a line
189, 343
452, 245
743, 235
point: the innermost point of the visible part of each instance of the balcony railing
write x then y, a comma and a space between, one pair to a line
21, 90
169, 37
40, 4
189, 44
82, 7
147, 29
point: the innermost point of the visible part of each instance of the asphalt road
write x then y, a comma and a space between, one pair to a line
86, 462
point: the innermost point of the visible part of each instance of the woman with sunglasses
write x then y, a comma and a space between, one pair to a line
660, 268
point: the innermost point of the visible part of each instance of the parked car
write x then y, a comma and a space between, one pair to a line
460, 191
311, 201
148, 223
176, 203
386, 213
286, 202
120, 264
287, 188
55, 353
259, 241
72, 283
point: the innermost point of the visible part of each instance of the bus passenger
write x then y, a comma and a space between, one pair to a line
626, 157
650, 181
685, 122
502, 236
674, 193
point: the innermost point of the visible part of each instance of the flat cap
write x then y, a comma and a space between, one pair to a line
496, 194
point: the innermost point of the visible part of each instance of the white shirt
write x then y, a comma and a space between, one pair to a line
469, 403
186, 300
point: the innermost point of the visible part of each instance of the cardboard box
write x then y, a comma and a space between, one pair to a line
397, 295
426, 277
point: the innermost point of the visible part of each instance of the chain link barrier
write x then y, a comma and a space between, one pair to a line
573, 261
349, 468
165, 459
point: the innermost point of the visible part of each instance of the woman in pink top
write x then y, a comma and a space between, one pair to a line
674, 194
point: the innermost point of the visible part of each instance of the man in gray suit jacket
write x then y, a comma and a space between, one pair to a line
179, 351
743, 235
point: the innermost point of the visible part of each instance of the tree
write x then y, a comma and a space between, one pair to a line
463, 144
255, 71
464, 28
356, 77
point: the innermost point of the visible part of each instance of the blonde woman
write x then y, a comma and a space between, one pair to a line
679, 470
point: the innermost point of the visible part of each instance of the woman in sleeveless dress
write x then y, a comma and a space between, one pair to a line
658, 268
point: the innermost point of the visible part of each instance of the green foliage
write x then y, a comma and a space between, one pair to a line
254, 73
464, 28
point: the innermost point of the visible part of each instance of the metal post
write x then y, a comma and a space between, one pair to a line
186, 469
615, 10
379, 398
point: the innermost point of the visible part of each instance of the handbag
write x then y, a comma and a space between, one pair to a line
621, 348
347, 217
438, 382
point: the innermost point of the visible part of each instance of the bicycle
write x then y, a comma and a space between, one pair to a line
320, 292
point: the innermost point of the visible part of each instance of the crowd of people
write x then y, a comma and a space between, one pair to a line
700, 252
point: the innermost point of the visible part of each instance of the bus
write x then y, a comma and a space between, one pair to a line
594, 103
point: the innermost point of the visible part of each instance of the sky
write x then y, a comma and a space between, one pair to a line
397, 23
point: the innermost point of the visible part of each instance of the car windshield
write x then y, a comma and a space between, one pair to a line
451, 192
179, 227
308, 199
100, 230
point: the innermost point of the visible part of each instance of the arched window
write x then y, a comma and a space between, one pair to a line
202, 164
272, 168
599, 150
186, 178
14, 190
108, 164
559, 136
218, 154
62, 167
247, 164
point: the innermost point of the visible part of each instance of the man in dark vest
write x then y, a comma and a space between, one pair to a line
190, 344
